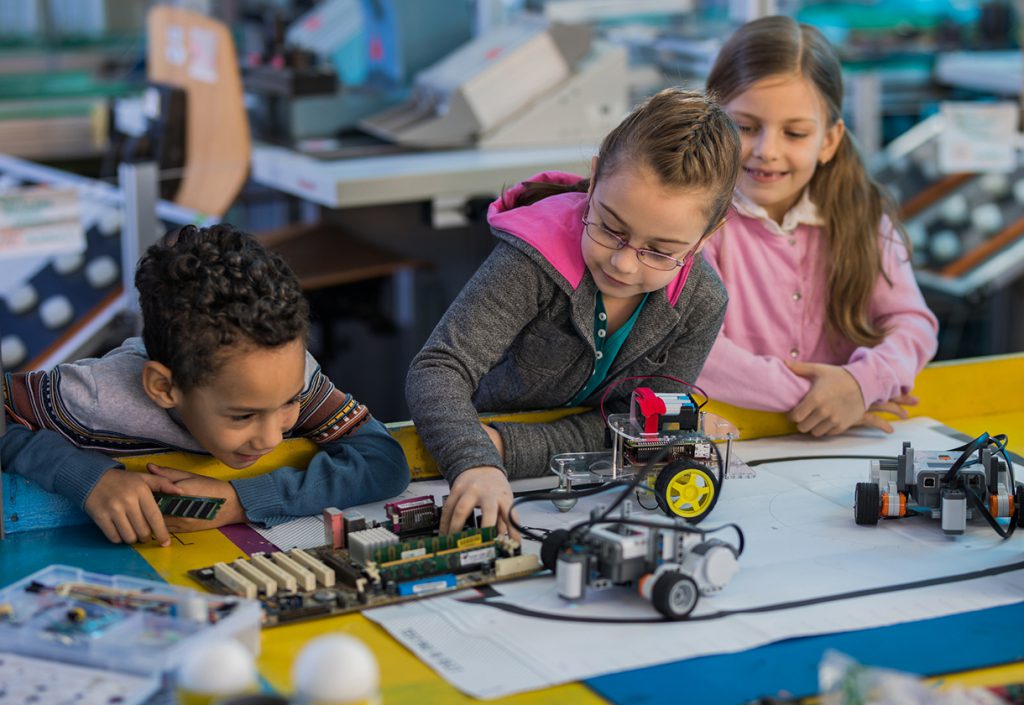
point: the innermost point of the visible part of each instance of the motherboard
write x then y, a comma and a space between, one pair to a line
366, 564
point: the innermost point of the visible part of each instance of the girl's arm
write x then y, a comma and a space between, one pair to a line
739, 377
501, 299
734, 375
888, 369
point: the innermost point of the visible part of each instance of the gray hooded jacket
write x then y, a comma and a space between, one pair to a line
520, 336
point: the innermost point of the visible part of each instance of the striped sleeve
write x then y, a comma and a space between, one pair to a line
326, 413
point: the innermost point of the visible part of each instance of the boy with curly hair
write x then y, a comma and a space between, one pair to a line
221, 369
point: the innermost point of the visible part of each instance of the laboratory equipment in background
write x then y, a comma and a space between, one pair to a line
529, 82
61, 61
967, 234
53, 306
345, 60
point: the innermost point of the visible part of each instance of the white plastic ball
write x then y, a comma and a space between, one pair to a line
917, 233
56, 311
110, 222
944, 246
12, 351
102, 272
336, 669
987, 218
68, 263
22, 299
218, 668
954, 210
995, 186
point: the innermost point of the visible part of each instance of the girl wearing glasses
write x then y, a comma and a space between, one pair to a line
824, 311
591, 280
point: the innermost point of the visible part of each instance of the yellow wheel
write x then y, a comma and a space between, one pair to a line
686, 489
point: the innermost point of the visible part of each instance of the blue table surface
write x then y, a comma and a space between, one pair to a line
790, 668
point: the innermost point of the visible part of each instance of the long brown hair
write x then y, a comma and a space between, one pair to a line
849, 200
683, 136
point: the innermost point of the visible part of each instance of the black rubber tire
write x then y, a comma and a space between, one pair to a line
866, 503
675, 595
665, 477
551, 547
1018, 499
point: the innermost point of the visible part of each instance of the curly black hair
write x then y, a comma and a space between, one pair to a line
202, 290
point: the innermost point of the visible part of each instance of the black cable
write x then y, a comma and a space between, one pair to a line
786, 459
584, 486
539, 496
627, 488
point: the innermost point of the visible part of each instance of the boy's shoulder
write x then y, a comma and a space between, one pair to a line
99, 403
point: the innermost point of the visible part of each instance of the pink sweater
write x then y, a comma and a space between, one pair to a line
777, 312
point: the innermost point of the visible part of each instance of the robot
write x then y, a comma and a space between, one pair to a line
686, 482
668, 561
955, 486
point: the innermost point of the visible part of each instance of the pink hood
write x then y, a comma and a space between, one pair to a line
554, 227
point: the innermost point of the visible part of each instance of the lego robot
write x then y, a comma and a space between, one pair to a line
668, 561
955, 486
686, 482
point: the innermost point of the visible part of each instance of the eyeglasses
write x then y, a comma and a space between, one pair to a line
599, 233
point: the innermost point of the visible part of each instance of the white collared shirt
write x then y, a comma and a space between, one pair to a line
803, 213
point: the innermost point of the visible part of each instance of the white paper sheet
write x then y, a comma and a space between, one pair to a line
802, 545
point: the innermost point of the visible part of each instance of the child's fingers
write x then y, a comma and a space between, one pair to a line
489, 513
446, 515
890, 407
140, 523
809, 419
172, 474
155, 520
873, 421
822, 428
803, 369
161, 484
124, 528
808, 412
905, 400
460, 513
509, 526
106, 525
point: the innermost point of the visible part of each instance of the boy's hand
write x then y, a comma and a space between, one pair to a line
833, 404
122, 505
485, 487
189, 483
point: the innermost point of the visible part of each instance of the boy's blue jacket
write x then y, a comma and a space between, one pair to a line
98, 406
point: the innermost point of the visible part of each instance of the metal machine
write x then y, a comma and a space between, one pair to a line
525, 83
668, 561
686, 479
973, 481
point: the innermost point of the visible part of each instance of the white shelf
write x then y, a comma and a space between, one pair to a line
401, 178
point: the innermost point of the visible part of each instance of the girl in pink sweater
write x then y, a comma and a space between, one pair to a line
825, 320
